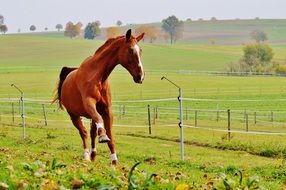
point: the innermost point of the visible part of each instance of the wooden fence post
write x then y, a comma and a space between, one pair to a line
255, 118
228, 123
119, 113
13, 114
196, 118
149, 120
45, 114
156, 113
123, 110
246, 122
272, 116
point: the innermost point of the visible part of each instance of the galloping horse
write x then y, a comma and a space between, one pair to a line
85, 91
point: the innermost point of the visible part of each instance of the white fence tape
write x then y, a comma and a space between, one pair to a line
235, 131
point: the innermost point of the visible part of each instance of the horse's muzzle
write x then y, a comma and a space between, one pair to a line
139, 79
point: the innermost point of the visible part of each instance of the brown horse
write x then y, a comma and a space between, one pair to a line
85, 91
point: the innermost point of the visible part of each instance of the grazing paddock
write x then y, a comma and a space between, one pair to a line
51, 155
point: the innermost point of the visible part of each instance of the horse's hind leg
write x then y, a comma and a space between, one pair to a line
93, 133
76, 120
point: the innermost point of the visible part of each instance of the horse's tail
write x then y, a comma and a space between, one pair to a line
63, 75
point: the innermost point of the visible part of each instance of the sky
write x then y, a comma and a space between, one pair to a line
21, 14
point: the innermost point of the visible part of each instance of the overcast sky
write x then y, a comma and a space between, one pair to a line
20, 14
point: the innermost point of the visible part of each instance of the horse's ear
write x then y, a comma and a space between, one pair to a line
128, 35
138, 38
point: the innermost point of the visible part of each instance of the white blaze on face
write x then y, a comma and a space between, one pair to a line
137, 50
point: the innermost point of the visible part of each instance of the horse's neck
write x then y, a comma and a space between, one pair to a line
103, 63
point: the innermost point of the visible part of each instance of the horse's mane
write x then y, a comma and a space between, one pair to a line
107, 43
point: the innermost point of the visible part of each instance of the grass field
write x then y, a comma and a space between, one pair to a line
51, 155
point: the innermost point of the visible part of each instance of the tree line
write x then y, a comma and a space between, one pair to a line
3, 27
171, 26
172, 29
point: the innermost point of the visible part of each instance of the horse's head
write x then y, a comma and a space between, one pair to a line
130, 56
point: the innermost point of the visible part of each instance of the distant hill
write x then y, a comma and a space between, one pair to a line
232, 32
221, 32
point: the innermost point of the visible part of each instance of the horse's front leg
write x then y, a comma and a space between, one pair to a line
90, 107
108, 120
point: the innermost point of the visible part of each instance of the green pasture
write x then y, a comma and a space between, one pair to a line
33, 63
29, 161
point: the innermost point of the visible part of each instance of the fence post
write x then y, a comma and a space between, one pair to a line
156, 111
123, 110
154, 116
272, 116
45, 114
246, 122
149, 120
255, 118
196, 118
13, 114
228, 123
119, 113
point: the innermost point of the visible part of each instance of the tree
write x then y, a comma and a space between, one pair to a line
166, 36
72, 30
32, 28
1, 20
189, 20
172, 25
213, 19
119, 23
258, 35
3, 28
92, 30
257, 54
112, 32
78, 27
141, 29
59, 27
150, 32
46, 29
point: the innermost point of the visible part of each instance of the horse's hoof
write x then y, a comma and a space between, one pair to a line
92, 155
86, 159
115, 162
103, 139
